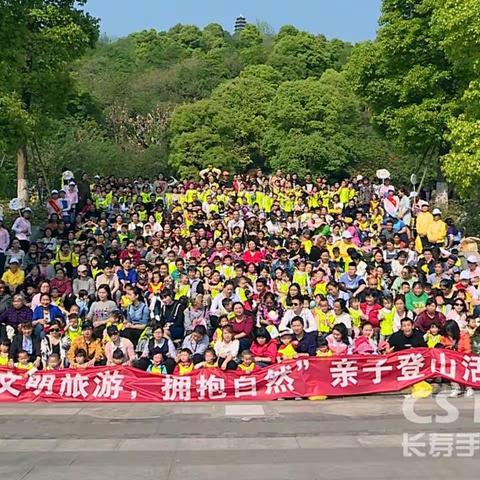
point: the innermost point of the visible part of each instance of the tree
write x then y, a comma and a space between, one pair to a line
38, 40
406, 78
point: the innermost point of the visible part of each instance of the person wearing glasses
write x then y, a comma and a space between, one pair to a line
52, 343
298, 310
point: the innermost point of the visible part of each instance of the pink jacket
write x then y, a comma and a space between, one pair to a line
126, 346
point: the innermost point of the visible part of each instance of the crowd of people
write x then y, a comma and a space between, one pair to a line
232, 271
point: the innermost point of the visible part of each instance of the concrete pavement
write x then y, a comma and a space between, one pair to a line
358, 438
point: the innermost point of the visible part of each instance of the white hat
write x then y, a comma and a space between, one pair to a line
359, 177
436, 211
347, 234
465, 275
13, 260
472, 259
28, 209
287, 331
82, 268
422, 203
71, 182
54, 191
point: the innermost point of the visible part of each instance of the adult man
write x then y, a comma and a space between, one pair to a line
86, 342
305, 343
118, 342
298, 311
407, 337
352, 282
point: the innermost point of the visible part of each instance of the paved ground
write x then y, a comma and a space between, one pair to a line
355, 438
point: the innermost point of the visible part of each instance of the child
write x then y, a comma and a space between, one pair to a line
386, 316
82, 301
472, 324
74, 329
286, 351
247, 364
53, 362
356, 314
23, 361
223, 321
4, 349
323, 349
185, 364
433, 337
300, 276
210, 360
81, 358
118, 357
324, 317
156, 366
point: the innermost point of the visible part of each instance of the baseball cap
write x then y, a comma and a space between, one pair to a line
347, 234
436, 211
13, 260
285, 332
465, 275
54, 191
87, 325
472, 259
82, 268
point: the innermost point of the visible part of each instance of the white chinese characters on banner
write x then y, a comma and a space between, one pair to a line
378, 368
210, 388
176, 388
472, 368
344, 372
6, 383
444, 366
74, 386
279, 381
245, 386
108, 385
40, 384
410, 366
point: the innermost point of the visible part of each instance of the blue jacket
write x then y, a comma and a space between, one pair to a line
53, 310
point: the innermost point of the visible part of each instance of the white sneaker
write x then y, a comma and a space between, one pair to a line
469, 392
455, 392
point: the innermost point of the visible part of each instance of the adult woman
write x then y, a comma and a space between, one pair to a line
48, 241
45, 314
25, 340
15, 251
52, 343
5, 297
269, 313
454, 339
226, 349
458, 313
158, 343
195, 314
242, 326
67, 258
400, 312
341, 314
62, 283
116, 341
252, 254
137, 316
102, 308
83, 282
339, 341
15, 315
263, 348
44, 287
33, 278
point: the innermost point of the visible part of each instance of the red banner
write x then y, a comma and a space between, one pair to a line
305, 377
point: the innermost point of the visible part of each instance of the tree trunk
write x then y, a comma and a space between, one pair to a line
22, 190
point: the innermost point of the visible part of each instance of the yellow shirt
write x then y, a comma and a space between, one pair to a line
325, 320
287, 352
437, 231
424, 219
3, 360
328, 353
246, 369
13, 279
185, 370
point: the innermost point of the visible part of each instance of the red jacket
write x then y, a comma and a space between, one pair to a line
464, 343
371, 311
268, 350
135, 256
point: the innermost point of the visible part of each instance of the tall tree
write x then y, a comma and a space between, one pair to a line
38, 40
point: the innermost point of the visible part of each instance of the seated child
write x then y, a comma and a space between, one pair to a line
223, 321
323, 349
118, 357
433, 337
4, 349
286, 350
247, 364
54, 362
24, 362
210, 360
81, 358
74, 329
185, 364
156, 366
